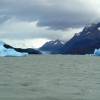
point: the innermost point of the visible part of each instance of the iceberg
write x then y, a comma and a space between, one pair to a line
96, 52
10, 52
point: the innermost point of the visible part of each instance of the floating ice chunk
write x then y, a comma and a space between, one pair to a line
96, 52
10, 52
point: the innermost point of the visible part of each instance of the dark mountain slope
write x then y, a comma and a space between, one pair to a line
84, 42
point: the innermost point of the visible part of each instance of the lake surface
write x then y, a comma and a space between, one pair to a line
50, 77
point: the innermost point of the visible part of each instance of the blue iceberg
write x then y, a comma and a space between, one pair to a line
10, 52
96, 52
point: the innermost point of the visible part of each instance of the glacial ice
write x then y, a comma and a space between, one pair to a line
10, 52
96, 52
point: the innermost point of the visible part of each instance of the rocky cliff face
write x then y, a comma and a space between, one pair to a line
83, 42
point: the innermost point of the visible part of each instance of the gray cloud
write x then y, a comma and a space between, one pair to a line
3, 19
54, 14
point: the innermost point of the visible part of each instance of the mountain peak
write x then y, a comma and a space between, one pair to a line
52, 45
57, 42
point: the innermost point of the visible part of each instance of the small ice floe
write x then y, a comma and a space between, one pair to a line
96, 52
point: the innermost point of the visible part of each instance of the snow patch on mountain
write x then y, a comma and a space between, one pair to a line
56, 42
87, 33
98, 28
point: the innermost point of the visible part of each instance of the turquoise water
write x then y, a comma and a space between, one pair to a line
50, 77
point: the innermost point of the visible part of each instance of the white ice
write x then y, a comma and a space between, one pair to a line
10, 52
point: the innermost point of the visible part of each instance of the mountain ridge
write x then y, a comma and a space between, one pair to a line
83, 42
52, 45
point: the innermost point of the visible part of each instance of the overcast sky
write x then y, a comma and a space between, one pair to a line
34, 22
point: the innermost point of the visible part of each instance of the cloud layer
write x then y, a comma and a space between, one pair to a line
54, 14
46, 19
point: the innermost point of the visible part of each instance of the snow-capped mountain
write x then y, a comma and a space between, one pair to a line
52, 45
84, 42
